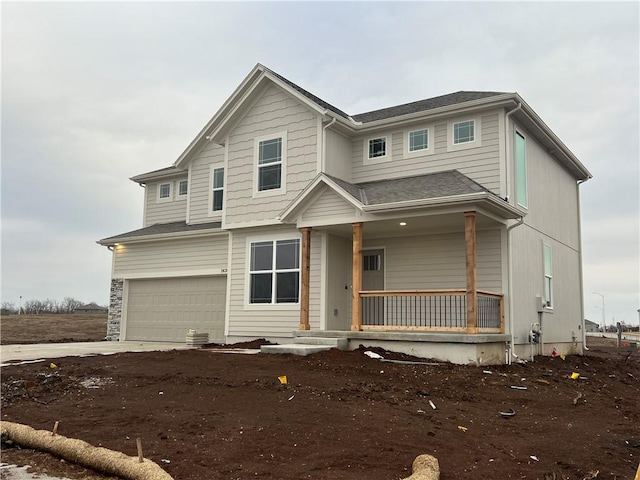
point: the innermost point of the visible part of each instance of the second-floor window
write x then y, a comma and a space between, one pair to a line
378, 147
183, 187
270, 164
418, 140
464, 132
521, 170
164, 192
217, 182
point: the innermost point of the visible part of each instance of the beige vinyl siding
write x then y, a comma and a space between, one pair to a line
268, 320
337, 155
552, 195
438, 261
274, 112
199, 190
528, 284
329, 205
172, 210
481, 164
190, 256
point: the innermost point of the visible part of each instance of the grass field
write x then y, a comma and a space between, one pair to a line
76, 327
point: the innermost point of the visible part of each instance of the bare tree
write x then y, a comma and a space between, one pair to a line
8, 307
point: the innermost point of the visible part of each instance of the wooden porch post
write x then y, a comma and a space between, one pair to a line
472, 287
304, 287
356, 275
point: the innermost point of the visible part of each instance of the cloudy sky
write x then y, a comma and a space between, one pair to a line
94, 93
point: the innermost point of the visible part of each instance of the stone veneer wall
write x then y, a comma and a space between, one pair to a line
114, 319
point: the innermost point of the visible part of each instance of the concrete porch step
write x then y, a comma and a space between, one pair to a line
295, 348
340, 343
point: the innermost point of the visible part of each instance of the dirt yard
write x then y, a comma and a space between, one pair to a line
77, 327
202, 414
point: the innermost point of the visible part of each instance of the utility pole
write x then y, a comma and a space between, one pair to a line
604, 323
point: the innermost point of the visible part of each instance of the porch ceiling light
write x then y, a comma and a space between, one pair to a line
403, 224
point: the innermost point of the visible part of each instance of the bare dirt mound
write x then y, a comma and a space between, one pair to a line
203, 414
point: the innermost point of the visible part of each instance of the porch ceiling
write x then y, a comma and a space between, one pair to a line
415, 225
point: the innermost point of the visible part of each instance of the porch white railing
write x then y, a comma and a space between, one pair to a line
430, 310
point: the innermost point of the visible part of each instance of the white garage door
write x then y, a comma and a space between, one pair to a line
164, 309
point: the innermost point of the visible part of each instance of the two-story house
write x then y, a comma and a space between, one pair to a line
446, 228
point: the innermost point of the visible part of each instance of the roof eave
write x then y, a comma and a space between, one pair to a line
111, 241
568, 158
496, 204
435, 113
146, 177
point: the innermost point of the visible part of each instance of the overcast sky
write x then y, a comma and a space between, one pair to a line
94, 93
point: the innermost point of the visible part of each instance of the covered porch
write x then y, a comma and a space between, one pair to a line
407, 250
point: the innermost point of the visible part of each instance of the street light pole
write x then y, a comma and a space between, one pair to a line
604, 323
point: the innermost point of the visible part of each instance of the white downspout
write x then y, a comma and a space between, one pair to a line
507, 158
510, 286
324, 143
584, 333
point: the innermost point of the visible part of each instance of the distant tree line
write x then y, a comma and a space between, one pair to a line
48, 306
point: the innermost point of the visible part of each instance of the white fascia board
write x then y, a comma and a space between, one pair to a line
308, 190
152, 176
566, 152
166, 236
471, 198
220, 131
231, 102
440, 201
435, 113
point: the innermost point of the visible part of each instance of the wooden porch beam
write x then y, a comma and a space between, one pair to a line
304, 281
356, 275
471, 261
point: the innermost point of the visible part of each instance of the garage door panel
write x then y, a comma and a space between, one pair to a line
165, 309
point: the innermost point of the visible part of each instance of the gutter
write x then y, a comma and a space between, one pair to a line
444, 202
162, 236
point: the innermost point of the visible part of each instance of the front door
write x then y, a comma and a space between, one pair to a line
373, 279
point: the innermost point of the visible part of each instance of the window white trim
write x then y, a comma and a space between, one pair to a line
210, 210
283, 162
406, 142
159, 189
381, 158
477, 134
247, 269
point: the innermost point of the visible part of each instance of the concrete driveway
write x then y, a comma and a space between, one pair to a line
49, 351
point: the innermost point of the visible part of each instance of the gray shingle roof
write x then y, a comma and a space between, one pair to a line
160, 228
423, 105
395, 111
309, 95
420, 187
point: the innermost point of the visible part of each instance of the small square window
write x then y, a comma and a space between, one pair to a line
183, 187
165, 190
418, 140
377, 147
463, 132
